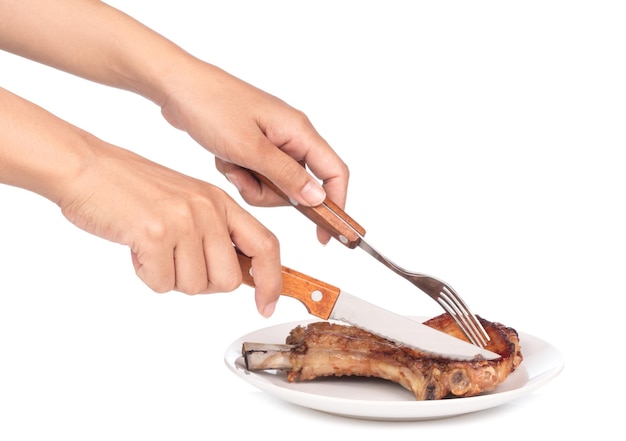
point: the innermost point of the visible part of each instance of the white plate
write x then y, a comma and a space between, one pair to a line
370, 398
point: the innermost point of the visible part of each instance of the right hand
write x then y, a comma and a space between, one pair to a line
180, 230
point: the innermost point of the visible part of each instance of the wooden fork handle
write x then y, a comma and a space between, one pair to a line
327, 215
318, 297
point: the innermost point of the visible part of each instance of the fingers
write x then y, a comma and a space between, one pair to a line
206, 265
288, 174
202, 259
291, 177
284, 171
300, 142
188, 269
155, 269
250, 189
262, 246
279, 147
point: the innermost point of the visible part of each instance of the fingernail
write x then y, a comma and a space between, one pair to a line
234, 180
269, 310
313, 193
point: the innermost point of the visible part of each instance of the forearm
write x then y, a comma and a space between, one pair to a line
92, 40
38, 151
240, 124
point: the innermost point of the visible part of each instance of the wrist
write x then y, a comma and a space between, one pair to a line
156, 77
38, 151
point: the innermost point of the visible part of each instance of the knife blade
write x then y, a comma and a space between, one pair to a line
331, 303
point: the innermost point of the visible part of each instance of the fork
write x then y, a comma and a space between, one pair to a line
330, 217
442, 293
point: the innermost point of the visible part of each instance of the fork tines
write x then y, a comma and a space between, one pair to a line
467, 321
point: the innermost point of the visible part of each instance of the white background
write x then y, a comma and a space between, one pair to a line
485, 146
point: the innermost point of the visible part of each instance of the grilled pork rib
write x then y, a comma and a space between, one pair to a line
329, 349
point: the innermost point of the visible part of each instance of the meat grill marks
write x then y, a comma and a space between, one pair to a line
324, 349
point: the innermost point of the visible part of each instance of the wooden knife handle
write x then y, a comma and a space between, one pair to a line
318, 297
327, 215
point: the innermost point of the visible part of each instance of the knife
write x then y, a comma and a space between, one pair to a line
331, 303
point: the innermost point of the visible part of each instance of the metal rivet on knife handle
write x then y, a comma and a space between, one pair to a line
327, 215
318, 297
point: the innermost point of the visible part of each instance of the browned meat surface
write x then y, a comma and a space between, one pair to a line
328, 349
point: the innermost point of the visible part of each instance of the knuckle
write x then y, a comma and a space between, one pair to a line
268, 243
155, 230
228, 281
233, 281
345, 170
301, 119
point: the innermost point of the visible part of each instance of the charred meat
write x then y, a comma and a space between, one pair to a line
328, 349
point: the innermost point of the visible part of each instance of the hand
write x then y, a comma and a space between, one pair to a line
180, 230
247, 128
